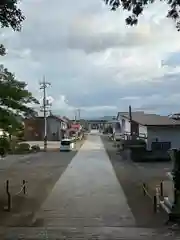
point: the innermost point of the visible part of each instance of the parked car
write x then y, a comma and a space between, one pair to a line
66, 145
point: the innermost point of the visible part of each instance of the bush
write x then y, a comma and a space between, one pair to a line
35, 148
135, 143
22, 148
4, 146
20, 135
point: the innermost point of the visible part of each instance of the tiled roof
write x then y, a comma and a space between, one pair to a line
66, 118
58, 118
151, 119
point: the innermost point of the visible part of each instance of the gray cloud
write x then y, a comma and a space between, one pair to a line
94, 60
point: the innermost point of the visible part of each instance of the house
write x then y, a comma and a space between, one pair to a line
115, 125
76, 126
84, 123
34, 128
175, 116
157, 131
67, 121
74, 129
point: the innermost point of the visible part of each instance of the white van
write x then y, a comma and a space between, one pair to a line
66, 145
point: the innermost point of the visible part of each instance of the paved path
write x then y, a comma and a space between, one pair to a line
87, 194
86, 203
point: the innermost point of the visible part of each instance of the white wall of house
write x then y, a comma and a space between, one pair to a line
143, 132
116, 127
127, 127
125, 124
63, 125
164, 134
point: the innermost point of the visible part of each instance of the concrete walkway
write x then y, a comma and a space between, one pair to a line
87, 194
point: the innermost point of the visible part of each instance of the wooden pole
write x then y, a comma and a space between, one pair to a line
24, 187
9, 197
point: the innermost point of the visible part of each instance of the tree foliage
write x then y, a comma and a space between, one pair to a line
136, 7
14, 100
10, 16
14, 96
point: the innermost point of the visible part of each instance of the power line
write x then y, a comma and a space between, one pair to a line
43, 85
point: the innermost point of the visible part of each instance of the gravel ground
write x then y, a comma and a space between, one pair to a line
41, 171
131, 175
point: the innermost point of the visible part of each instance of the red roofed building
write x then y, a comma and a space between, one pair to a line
76, 126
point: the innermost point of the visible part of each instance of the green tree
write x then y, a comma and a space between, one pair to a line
136, 9
10, 16
15, 101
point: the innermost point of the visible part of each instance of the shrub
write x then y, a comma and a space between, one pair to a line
35, 148
22, 148
4, 146
134, 143
20, 135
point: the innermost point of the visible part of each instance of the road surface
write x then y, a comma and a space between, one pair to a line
88, 193
41, 171
87, 202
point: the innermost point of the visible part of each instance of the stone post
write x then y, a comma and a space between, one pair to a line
175, 157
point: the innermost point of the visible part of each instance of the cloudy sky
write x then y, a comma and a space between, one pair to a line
93, 60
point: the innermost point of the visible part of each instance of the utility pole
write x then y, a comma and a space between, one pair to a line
79, 113
75, 116
43, 86
130, 120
